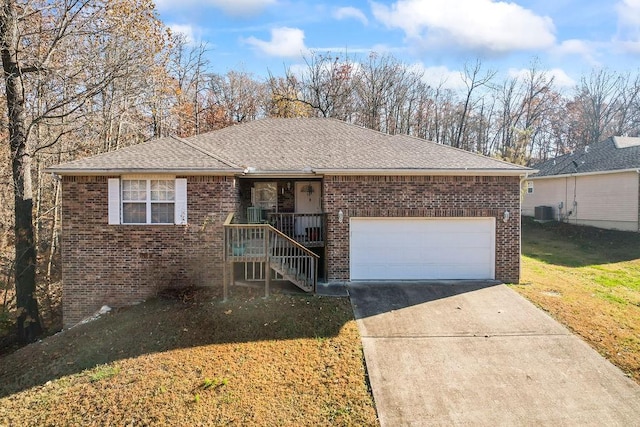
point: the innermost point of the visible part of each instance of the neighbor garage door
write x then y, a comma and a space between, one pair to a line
422, 248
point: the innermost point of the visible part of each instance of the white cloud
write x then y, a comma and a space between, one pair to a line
630, 46
573, 47
560, 78
628, 36
476, 25
629, 13
240, 8
186, 30
439, 76
285, 42
350, 13
576, 47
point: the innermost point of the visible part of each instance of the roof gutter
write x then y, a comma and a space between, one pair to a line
130, 171
247, 173
304, 173
427, 172
564, 175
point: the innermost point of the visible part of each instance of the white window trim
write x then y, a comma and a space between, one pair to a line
115, 199
529, 187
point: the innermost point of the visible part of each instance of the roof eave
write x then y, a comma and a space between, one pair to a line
141, 171
256, 173
606, 172
426, 172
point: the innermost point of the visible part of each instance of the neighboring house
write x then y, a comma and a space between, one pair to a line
598, 185
306, 198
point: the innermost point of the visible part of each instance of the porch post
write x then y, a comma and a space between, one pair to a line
232, 274
225, 263
225, 278
267, 262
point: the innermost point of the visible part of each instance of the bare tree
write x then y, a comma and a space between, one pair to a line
324, 85
73, 50
473, 79
627, 120
374, 81
188, 68
285, 99
598, 101
234, 97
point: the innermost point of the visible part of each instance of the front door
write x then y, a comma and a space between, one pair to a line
307, 200
309, 224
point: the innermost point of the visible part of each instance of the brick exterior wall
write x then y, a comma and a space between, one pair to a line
119, 265
423, 196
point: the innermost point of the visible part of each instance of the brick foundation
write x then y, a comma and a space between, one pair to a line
119, 265
423, 196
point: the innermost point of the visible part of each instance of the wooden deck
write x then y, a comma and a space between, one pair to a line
273, 249
306, 229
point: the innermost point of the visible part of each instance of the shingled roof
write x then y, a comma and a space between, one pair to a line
157, 156
289, 146
612, 154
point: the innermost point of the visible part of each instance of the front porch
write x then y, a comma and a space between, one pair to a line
278, 233
292, 206
265, 254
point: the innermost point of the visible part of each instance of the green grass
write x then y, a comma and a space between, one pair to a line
102, 372
589, 279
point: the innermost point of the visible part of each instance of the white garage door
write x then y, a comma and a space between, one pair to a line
422, 248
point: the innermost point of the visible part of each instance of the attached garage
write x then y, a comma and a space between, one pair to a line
422, 248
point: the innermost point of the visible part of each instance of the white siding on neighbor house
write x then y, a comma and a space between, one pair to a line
601, 200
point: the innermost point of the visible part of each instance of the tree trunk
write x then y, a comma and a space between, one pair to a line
28, 321
54, 229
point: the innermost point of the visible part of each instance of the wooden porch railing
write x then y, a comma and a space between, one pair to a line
264, 243
307, 229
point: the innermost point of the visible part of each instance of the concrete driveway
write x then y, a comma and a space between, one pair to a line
465, 353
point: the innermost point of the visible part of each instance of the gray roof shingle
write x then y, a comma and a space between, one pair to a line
616, 153
293, 145
165, 154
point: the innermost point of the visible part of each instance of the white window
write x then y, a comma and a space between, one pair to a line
142, 200
529, 187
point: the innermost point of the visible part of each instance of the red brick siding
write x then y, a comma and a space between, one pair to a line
423, 196
119, 265
122, 264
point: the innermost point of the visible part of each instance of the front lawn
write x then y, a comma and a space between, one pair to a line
286, 360
588, 279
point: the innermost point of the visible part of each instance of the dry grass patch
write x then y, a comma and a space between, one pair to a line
286, 360
589, 279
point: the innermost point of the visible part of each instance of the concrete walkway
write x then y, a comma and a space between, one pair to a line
465, 353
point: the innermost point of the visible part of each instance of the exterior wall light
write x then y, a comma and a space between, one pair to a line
340, 216
505, 216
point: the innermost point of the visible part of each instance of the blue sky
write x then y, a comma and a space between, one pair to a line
569, 38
